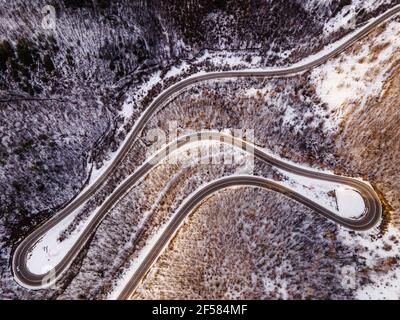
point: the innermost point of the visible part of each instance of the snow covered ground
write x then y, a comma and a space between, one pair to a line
336, 82
350, 79
135, 263
340, 199
346, 18
381, 256
50, 251
350, 203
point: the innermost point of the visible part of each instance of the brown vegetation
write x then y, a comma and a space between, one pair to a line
369, 143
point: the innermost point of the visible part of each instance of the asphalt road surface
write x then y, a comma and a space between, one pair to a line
236, 181
373, 206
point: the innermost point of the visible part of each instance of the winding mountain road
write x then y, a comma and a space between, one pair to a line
373, 208
372, 203
221, 184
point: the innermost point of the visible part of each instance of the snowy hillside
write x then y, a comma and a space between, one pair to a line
69, 97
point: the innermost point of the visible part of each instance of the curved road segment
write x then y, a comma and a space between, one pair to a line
202, 194
29, 280
373, 208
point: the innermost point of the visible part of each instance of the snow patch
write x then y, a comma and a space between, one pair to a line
346, 18
346, 203
384, 284
127, 110
49, 251
350, 80
350, 203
